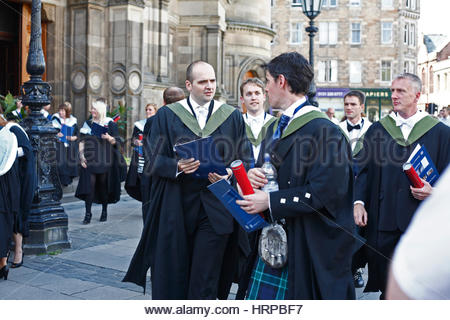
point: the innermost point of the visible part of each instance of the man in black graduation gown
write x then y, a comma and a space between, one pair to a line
187, 231
382, 187
170, 95
312, 158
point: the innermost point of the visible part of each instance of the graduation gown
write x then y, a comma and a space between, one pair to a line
67, 153
175, 200
28, 179
101, 157
9, 189
383, 186
146, 179
133, 180
313, 161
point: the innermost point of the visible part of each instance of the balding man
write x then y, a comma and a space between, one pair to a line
188, 231
330, 113
172, 95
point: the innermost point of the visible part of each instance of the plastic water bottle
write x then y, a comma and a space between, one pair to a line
271, 175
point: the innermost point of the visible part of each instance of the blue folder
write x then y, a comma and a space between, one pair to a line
66, 131
203, 149
228, 196
98, 130
424, 166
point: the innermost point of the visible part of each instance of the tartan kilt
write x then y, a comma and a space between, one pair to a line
267, 283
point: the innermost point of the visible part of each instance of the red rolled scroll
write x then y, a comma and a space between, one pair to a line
241, 176
412, 175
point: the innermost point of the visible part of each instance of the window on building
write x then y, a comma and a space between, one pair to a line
412, 34
406, 34
272, 3
413, 4
328, 33
424, 80
296, 32
355, 71
438, 83
296, 3
329, 3
328, 71
412, 67
355, 33
355, 3
386, 4
445, 81
386, 71
431, 80
406, 66
386, 32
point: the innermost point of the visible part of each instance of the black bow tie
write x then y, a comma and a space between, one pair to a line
350, 127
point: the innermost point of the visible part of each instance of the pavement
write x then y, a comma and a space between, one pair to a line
92, 269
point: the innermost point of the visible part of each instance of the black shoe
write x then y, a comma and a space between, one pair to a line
104, 216
87, 218
4, 272
358, 280
17, 265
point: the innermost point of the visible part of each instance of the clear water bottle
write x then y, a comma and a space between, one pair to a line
271, 175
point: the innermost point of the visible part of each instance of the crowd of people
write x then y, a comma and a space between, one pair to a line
343, 199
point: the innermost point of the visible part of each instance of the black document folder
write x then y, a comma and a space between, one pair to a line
204, 150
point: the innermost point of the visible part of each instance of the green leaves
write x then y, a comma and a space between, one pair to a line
8, 103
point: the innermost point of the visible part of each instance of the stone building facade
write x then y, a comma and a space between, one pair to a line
434, 70
131, 50
360, 44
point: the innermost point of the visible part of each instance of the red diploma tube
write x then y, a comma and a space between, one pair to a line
412, 175
141, 136
241, 176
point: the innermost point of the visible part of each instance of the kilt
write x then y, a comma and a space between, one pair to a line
267, 283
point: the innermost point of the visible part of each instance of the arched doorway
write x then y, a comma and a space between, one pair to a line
10, 47
15, 28
252, 68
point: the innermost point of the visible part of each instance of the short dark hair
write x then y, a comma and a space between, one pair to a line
173, 94
358, 94
254, 81
190, 68
295, 68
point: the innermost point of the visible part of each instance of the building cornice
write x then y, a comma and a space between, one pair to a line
409, 14
249, 27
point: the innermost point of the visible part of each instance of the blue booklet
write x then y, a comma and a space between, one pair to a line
424, 166
226, 194
203, 149
98, 130
66, 131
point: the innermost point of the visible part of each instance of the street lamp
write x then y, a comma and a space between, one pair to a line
48, 221
311, 9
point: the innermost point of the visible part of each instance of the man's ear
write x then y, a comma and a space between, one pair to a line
188, 85
281, 81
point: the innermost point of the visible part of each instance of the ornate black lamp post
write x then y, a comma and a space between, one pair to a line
48, 221
311, 9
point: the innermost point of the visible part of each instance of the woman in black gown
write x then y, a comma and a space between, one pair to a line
9, 192
27, 185
133, 181
101, 162
66, 146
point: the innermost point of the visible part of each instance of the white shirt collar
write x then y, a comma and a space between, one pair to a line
258, 118
399, 120
290, 111
195, 105
359, 122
